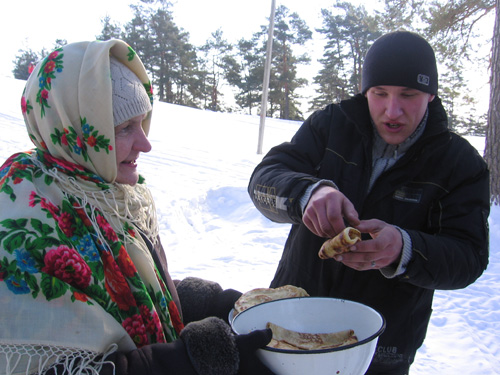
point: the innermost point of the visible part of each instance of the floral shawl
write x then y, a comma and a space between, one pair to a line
76, 277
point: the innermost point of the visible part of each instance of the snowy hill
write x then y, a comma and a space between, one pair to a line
198, 172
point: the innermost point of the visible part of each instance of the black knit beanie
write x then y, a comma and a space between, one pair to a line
400, 58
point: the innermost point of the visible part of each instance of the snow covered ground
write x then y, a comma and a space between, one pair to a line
198, 172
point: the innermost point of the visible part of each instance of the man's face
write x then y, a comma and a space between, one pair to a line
397, 111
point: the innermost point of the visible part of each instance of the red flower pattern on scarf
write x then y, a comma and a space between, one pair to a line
49, 67
108, 230
49, 206
80, 296
91, 141
115, 283
67, 265
175, 317
25, 106
65, 222
105, 279
62, 164
125, 263
15, 165
82, 215
136, 329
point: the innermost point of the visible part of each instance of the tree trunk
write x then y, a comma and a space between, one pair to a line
286, 109
492, 146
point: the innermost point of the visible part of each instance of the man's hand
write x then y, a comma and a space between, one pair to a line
382, 250
326, 210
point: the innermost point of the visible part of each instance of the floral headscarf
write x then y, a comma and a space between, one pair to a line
72, 90
76, 275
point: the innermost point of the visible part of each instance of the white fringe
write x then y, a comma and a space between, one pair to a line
30, 359
120, 203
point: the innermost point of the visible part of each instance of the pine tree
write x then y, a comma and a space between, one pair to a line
109, 30
349, 32
166, 53
247, 73
289, 31
24, 63
189, 77
217, 59
399, 15
492, 155
452, 27
165, 38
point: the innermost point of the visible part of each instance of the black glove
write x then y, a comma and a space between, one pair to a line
223, 303
214, 350
247, 345
203, 298
169, 358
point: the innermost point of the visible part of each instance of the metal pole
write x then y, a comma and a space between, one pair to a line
267, 73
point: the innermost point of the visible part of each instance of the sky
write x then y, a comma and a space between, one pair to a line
36, 24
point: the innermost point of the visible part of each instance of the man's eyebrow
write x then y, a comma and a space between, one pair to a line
410, 89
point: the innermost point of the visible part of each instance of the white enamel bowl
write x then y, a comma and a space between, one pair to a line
316, 315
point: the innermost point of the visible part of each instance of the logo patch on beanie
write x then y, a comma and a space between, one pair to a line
423, 79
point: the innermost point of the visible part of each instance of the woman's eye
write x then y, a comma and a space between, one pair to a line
124, 131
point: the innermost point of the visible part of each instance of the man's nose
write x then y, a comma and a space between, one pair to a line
393, 108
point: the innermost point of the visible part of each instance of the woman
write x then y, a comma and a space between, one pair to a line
84, 283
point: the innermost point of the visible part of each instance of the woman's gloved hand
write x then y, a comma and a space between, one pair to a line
203, 298
208, 347
247, 345
214, 349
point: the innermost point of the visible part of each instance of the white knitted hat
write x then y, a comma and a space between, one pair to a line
130, 98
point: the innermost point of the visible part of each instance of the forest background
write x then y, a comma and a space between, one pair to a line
223, 76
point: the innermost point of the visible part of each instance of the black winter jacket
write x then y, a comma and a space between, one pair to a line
438, 192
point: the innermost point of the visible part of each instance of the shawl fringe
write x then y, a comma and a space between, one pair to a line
30, 359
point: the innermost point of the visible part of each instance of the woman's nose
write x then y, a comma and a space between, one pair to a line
142, 143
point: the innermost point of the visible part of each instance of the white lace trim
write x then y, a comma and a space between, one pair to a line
29, 359
119, 203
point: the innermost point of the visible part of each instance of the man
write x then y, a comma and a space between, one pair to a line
384, 162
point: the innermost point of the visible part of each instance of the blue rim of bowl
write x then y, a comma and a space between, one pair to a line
319, 351
230, 317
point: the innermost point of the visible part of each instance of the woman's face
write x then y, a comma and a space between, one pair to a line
397, 111
130, 141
